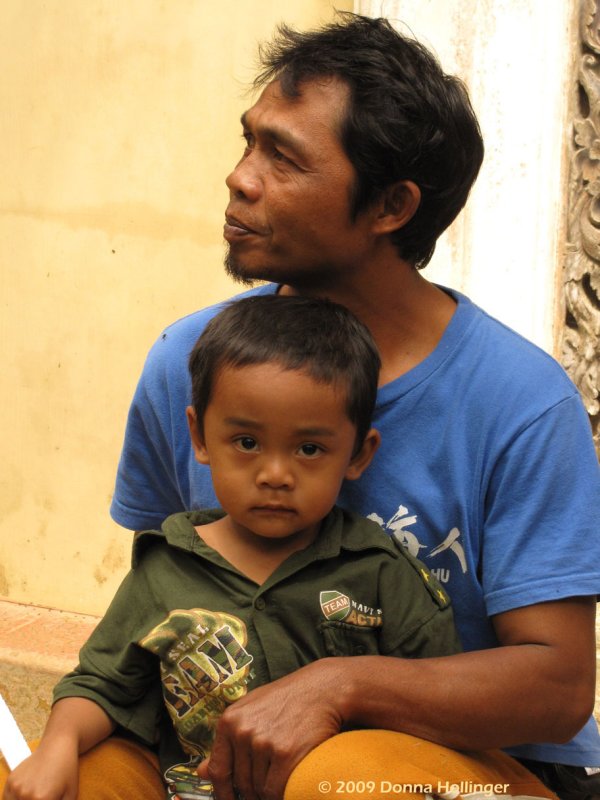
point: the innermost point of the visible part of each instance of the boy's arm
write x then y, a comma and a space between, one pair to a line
75, 725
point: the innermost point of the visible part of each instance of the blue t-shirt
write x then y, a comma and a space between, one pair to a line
486, 472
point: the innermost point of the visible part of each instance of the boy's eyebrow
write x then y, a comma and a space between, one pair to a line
242, 422
278, 135
315, 432
312, 430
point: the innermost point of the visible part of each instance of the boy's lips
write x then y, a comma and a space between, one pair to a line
274, 508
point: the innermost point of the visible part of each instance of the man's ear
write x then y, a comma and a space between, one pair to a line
197, 438
364, 456
397, 207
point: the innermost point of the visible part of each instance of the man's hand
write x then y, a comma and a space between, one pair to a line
51, 773
262, 737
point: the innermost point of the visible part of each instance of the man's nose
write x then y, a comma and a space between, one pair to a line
275, 473
244, 182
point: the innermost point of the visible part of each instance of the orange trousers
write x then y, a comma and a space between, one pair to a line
357, 765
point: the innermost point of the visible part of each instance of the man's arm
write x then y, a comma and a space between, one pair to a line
538, 686
51, 773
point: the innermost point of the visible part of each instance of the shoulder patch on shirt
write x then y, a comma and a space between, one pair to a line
430, 581
433, 587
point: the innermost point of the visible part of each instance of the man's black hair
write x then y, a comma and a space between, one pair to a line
318, 337
406, 120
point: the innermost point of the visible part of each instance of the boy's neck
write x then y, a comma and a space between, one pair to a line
256, 557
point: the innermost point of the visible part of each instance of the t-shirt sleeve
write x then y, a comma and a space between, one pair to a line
146, 488
152, 477
417, 615
115, 672
542, 514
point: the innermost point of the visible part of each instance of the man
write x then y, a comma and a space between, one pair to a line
359, 152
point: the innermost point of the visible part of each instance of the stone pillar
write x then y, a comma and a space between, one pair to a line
581, 334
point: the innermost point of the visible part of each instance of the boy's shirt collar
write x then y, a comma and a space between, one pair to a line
337, 533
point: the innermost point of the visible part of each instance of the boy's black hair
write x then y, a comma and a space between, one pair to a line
318, 337
406, 119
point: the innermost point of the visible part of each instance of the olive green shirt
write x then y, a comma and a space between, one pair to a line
188, 632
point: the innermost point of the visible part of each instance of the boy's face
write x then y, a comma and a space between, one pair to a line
279, 445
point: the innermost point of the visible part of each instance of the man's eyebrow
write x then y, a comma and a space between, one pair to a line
277, 135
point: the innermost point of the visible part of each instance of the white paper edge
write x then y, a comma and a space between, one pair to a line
13, 746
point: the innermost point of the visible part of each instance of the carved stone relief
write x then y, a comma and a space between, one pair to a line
581, 338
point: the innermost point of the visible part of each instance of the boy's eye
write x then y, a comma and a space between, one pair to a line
310, 450
246, 443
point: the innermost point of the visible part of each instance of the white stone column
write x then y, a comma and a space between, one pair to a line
505, 249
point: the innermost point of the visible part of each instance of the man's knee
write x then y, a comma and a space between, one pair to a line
385, 764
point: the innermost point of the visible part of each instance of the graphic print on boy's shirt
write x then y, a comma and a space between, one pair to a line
204, 667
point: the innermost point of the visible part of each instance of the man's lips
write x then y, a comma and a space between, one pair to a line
234, 228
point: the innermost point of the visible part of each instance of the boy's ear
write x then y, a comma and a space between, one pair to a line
364, 456
200, 450
397, 207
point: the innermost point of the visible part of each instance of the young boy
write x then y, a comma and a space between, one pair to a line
220, 602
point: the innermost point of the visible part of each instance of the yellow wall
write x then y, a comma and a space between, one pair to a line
119, 122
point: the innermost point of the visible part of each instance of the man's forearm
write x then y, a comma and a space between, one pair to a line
524, 691
459, 701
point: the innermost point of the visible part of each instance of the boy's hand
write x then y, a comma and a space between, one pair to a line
51, 773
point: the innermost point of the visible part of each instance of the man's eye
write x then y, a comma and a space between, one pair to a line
279, 157
246, 443
310, 450
249, 139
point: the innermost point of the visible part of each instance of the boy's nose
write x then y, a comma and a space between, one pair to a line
275, 473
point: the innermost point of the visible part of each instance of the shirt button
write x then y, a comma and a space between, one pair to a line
259, 603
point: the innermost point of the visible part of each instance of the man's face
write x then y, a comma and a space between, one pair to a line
288, 218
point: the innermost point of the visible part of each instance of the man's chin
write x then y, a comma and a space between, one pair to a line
303, 280
248, 276
236, 271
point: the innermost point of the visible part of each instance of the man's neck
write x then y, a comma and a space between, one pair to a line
406, 314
